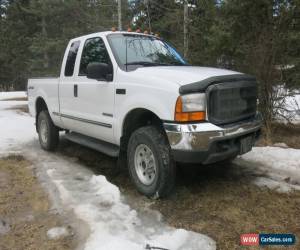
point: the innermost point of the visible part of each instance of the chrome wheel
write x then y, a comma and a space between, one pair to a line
145, 165
44, 131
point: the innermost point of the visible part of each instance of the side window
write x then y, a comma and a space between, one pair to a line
69, 69
94, 51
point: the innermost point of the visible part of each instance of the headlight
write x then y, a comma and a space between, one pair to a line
193, 102
190, 107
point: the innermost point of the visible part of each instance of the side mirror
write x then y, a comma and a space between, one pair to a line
99, 71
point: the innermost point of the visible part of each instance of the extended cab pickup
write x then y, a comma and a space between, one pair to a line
132, 96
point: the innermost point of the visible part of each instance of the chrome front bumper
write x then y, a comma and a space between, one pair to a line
200, 137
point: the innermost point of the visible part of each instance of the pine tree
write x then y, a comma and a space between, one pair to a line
16, 28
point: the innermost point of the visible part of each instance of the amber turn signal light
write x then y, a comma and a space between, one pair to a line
181, 116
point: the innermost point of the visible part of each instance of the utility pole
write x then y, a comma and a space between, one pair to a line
120, 14
146, 2
185, 28
45, 35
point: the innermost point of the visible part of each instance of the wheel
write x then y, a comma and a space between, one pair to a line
150, 164
48, 132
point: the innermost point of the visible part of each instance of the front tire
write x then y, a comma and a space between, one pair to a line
48, 132
150, 163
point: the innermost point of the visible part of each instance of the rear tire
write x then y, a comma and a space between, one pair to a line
150, 164
48, 132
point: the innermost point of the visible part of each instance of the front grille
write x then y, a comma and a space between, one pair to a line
231, 101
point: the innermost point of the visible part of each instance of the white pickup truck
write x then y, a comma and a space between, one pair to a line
132, 96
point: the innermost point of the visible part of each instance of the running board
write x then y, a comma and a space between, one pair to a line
98, 145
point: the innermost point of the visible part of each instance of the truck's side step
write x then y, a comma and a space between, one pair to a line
98, 145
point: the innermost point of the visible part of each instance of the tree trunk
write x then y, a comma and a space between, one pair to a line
45, 37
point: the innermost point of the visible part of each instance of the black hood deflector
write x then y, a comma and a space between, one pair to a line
201, 86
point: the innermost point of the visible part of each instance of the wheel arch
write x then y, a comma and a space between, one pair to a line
40, 105
134, 119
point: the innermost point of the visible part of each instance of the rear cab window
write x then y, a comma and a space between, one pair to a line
70, 63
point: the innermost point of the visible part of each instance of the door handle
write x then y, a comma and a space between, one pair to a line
75, 90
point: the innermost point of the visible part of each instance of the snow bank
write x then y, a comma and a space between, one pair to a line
8, 105
291, 106
113, 224
13, 94
281, 165
16, 129
279, 186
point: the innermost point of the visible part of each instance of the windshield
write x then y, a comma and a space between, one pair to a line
132, 51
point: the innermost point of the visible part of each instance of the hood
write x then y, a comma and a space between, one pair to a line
182, 75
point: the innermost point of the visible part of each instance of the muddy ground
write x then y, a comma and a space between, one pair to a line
218, 200
25, 210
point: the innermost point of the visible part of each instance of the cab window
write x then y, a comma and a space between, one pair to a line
94, 51
70, 63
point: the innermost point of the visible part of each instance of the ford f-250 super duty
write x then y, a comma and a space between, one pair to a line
132, 96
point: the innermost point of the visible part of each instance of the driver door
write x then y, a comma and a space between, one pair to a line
92, 103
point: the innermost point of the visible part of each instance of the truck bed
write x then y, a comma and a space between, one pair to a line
45, 87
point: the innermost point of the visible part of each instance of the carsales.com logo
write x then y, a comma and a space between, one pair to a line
267, 239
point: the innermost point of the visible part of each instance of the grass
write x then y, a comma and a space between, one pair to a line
25, 207
283, 133
289, 134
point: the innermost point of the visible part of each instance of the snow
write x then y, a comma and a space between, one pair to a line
280, 145
279, 186
113, 223
56, 233
98, 204
280, 165
15, 128
291, 105
13, 94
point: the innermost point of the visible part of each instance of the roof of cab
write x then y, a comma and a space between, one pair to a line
105, 33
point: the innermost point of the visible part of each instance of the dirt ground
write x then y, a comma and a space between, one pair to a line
218, 200
222, 203
25, 210
289, 134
